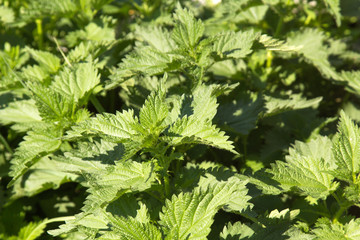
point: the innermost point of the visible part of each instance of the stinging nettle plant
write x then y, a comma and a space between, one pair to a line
179, 120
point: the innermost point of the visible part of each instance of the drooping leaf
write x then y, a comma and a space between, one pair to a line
36, 144
22, 113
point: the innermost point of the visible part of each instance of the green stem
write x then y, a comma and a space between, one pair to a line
166, 185
39, 32
253, 219
59, 219
339, 212
6, 145
245, 138
279, 26
269, 58
97, 104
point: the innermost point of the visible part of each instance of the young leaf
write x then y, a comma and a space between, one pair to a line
76, 83
188, 30
32, 231
305, 169
52, 105
47, 61
154, 111
347, 150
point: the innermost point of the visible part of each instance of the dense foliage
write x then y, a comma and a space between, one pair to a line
163, 119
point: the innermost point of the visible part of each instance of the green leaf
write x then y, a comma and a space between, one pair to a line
47, 60
124, 176
43, 175
347, 150
190, 215
325, 229
236, 231
188, 30
7, 15
234, 45
23, 113
146, 60
154, 112
77, 82
116, 127
279, 104
334, 8
36, 144
242, 114
188, 130
156, 37
305, 169
131, 229
32, 231
311, 46
352, 79
274, 44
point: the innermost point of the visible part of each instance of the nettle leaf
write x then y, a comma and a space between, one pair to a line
154, 111
195, 126
346, 150
105, 185
190, 215
7, 15
188, 30
274, 44
352, 79
311, 46
36, 144
276, 105
236, 231
77, 82
242, 114
47, 60
234, 45
158, 38
325, 229
43, 175
334, 8
117, 127
131, 229
52, 105
32, 231
147, 60
305, 169
22, 113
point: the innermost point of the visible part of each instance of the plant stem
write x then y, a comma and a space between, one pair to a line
6, 145
166, 185
97, 104
59, 219
39, 32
